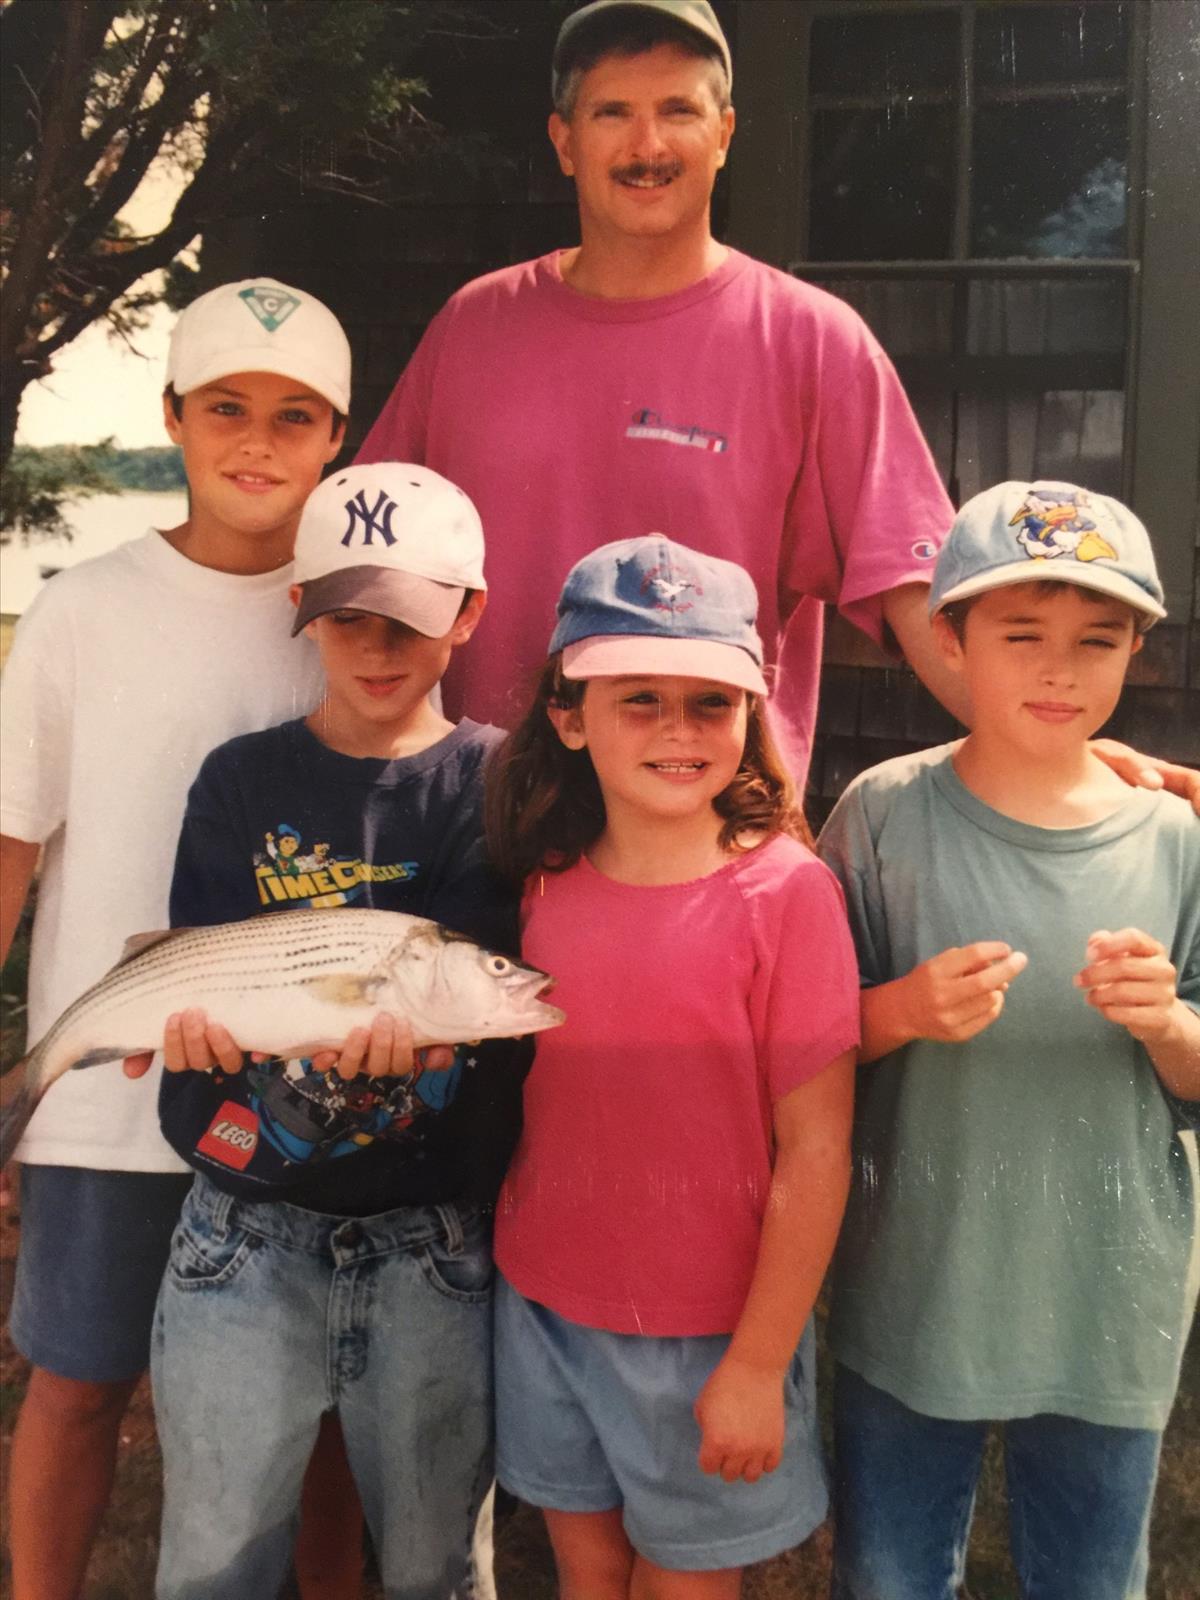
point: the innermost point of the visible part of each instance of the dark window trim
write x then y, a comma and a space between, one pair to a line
769, 206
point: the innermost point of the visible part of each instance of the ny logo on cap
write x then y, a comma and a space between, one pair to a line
272, 307
376, 520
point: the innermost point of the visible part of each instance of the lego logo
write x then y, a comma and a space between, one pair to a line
239, 1138
232, 1136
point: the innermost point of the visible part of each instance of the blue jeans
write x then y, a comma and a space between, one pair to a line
1079, 1500
269, 1316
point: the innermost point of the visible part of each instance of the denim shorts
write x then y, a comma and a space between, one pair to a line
588, 1421
270, 1316
1079, 1497
93, 1248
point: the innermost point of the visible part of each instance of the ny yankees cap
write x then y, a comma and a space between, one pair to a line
390, 538
696, 15
652, 606
260, 325
1034, 532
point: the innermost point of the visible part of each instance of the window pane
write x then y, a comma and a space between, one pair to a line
908, 318
874, 54
1026, 44
1032, 317
882, 184
1079, 437
1050, 178
1073, 435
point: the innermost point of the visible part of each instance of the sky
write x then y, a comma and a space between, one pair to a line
99, 386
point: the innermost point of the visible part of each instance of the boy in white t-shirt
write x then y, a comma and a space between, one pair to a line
124, 673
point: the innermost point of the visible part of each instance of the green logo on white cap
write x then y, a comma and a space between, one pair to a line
272, 307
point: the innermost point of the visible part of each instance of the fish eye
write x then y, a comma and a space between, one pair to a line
498, 966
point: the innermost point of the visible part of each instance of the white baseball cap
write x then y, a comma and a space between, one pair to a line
260, 325
391, 538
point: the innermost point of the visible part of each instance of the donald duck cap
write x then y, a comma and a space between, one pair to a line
1048, 532
391, 538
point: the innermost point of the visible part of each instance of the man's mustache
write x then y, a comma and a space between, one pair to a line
638, 171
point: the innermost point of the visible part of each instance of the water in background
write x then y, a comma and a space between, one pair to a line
99, 524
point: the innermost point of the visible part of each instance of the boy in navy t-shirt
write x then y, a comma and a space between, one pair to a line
334, 1253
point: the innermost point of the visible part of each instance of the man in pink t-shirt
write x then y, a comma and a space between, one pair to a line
651, 379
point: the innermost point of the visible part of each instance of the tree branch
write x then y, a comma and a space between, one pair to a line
87, 22
161, 31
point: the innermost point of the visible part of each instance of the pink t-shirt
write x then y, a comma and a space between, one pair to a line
635, 1199
750, 416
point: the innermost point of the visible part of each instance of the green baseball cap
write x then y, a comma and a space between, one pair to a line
697, 15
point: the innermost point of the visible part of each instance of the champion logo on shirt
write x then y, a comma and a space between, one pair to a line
648, 424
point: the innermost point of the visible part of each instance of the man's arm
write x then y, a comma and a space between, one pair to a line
906, 612
18, 859
1149, 772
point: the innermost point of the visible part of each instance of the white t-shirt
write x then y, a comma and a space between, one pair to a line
125, 672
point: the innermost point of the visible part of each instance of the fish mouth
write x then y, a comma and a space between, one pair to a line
530, 999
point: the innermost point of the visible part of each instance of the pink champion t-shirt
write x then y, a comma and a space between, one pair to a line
750, 416
635, 1199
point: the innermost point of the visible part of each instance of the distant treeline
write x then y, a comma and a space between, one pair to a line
102, 466
37, 482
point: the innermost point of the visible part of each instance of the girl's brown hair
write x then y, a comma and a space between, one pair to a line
543, 805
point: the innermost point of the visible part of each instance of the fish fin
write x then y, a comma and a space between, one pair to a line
106, 1052
137, 942
19, 1099
345, 988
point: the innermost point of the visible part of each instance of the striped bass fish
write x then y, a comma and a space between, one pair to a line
289, 984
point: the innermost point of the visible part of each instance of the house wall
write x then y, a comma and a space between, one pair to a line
387, 270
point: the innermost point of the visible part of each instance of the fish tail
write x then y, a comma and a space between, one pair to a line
18, 1101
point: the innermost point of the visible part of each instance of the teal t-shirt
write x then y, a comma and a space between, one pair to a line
1021, 1233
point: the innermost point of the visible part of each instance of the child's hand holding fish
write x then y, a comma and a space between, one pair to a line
296, 983
194, 1043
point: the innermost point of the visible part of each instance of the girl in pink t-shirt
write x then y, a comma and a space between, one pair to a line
674, 1201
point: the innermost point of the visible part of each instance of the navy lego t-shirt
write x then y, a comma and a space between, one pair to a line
278, 821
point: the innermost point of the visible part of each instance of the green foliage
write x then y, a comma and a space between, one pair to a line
36, 482
156, 469
253, 103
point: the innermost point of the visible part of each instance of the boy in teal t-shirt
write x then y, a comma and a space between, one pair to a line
1019, 1241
